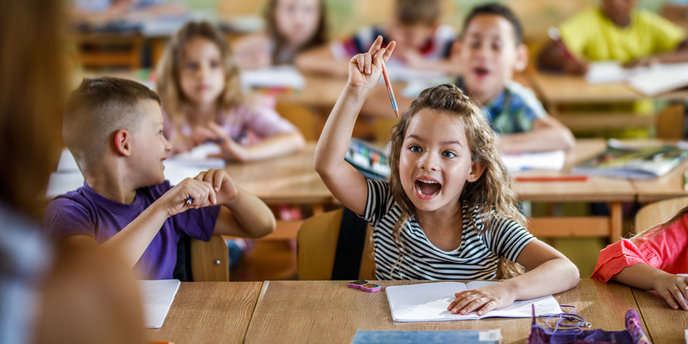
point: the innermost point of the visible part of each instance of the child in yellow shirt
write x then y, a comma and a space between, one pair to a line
615, 31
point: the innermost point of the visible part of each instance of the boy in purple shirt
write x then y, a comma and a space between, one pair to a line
113, 127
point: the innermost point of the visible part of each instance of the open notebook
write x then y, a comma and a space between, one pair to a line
429, 302
649, 81
157, 297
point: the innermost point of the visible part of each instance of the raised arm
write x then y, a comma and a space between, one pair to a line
345, 183
548, 134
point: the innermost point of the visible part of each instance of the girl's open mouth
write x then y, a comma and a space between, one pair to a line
427, 189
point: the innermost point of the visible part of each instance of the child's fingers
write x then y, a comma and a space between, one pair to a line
360, 61
490, 305
376, 45
669, 298
367, 61
678, 295
218, 179
388, 50
473, 305
461, 302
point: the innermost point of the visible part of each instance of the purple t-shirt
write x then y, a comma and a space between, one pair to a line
85, 212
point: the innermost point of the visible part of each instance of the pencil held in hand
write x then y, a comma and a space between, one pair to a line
395, 108
555, 35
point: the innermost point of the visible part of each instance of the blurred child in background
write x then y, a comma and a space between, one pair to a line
422, 42
202, 99
293, 26
615, 31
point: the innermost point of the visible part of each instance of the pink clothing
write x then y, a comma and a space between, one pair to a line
666, 251
253, 121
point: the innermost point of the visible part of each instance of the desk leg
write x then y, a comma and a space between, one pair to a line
615, 221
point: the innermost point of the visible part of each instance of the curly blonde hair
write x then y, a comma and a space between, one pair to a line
168, 85
491, 192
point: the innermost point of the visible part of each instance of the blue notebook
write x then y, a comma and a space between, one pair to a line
425, 337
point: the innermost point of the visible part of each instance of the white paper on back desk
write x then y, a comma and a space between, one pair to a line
429, 302
279, 76
157, 296
553, 160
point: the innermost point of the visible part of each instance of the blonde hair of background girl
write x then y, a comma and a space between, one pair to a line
491, 192
318, 38
168, 84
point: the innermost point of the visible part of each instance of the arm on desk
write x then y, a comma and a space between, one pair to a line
320, 60
680, 54
671, 287
548, 134
549, 272
552, 57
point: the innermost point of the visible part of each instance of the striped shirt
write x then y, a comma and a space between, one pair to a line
475, 259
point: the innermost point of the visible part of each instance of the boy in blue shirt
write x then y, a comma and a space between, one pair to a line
490, 51
113, 127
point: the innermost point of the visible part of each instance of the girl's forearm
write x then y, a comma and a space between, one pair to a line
639, 276
552, 277
276, 145
251, 214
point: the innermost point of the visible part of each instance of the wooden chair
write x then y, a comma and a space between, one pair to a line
657, 213
317, 243
210, 260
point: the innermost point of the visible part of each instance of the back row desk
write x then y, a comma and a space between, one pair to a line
292, 179
330, 312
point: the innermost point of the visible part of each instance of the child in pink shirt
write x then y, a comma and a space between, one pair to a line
202, 98
651, 260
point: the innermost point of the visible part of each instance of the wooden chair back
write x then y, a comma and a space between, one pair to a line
317, 243
657, 213
210, 260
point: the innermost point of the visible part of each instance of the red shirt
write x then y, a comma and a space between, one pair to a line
666, 250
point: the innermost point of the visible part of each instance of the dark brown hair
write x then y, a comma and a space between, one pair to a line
96, 109
32, 85
318, 38
412, 12
497, 10
168, 84
492, 192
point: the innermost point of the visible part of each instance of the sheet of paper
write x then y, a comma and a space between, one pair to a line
660, 78
429, 302
553, 160
198, 157
67, 162
278, 76
607, 72
157, 297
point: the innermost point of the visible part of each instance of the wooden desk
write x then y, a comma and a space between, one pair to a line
665, 187
662, 324
557, 89
205, 312
330, 312
595, 189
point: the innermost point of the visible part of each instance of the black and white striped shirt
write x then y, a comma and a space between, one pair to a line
475, 258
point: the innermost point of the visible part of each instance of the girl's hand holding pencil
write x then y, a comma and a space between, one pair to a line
365, 69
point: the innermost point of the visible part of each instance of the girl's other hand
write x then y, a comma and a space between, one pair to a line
230, 149
181, 144
673, 289
365, 69
482, 300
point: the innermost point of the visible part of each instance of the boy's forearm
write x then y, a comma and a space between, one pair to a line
552, 277
133, 240
335, 137
254, 217
537, 141
274, 146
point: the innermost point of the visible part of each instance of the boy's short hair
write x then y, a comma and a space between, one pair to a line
96, 109
412, 12
499, 10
